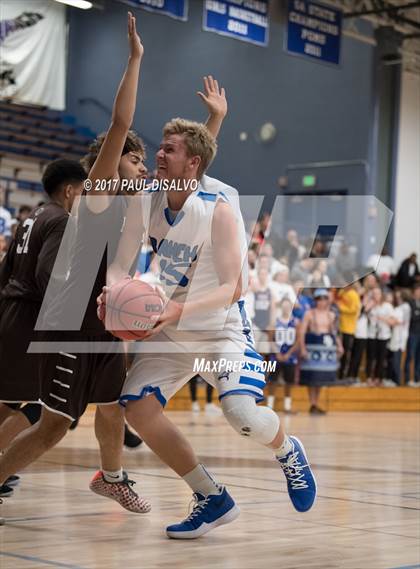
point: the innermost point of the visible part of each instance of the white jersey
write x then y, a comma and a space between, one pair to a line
218, 344
182, 243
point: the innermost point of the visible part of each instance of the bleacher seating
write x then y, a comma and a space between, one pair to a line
30, 137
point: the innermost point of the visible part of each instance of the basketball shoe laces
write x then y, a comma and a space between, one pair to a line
198, 506
293, 470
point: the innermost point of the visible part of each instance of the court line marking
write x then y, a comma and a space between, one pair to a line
233, 485
276, 490
40, 560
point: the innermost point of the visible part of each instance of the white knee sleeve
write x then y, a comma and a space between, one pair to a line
259, 423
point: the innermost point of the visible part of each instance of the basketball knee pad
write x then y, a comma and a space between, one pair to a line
259, 423
32, 412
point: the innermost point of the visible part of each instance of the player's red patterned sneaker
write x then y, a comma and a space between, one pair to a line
121, 492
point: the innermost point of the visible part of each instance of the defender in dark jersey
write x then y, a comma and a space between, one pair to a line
24, 275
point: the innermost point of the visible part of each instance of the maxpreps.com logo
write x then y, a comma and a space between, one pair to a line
225, 367
175, 260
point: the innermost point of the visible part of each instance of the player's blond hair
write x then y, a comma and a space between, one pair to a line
198, 140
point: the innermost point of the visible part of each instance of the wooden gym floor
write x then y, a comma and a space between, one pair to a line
366, 515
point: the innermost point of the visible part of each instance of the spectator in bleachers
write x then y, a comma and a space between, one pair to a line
383, 265
369, 283
408, 272
263, 305
302, 270
360, 339
380, 319
5, 216
285, 346
281, 287
324, 268
319, 249
303, 303
293, 250
263, 262
274, 266
319, 278
345, 260
320, 348
399, 336
413, 346
348, 303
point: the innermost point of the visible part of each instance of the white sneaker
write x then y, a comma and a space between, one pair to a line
196, 407
413, 383
389, 383
212, 409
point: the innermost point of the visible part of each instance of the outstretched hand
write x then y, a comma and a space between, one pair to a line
134, 41
213, 97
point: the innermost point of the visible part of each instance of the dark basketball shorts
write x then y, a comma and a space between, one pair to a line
69, 381
285, 371
18, 369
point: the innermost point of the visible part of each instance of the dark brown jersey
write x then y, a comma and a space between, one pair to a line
26, 269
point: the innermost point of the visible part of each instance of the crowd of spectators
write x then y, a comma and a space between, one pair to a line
376, 329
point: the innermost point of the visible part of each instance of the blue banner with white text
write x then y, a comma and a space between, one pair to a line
246, 20
314, 30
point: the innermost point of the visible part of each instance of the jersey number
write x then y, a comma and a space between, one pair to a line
287, 337
23, 246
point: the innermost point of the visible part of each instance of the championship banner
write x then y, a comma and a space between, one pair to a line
177, 9
246, 20
313, 30
32, 52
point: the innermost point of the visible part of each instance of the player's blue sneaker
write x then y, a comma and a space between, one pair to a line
208, 512
301, 483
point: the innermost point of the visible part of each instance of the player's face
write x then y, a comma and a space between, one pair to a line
172, 160
132, 166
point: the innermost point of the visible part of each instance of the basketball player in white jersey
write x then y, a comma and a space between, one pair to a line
199, 240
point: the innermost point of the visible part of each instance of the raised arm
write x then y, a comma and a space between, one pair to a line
130, 240
215, 100
106, 164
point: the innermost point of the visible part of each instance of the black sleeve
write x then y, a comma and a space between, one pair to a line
48, 254
6, 265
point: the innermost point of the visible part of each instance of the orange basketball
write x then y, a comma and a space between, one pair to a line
129, 306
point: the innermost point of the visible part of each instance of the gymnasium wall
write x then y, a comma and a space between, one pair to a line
322, 112
407, 200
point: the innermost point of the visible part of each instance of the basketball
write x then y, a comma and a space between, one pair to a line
129, 306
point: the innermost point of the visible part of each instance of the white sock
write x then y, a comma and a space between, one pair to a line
285, 448
270, 401
287, 405
199, 480
113, 475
